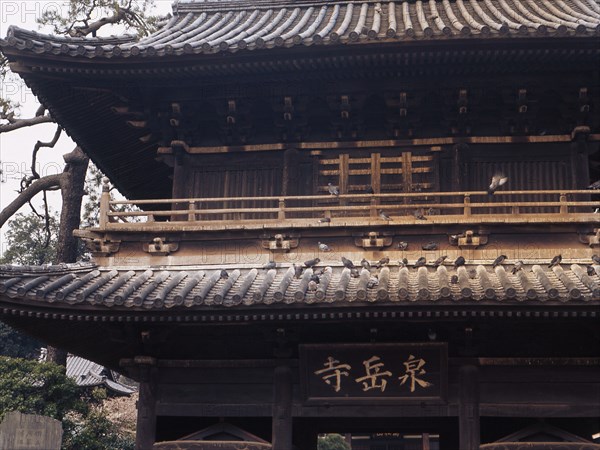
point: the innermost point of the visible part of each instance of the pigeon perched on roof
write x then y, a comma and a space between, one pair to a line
438, 262
518, 266
420, 262
383, 262
324, 247
270, 265
498, 261
460, 261
366, 264
325, 220
297, 271
373, 281
333, 190
596, 259
555, 261
347, 263
224, 274
312, 262
590, 270
369, 190
430, 246
402, 245
454, 279
314, 277
354, 272
383, 215
499, 179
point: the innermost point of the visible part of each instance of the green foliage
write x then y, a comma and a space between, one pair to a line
94, 432
17, 345
82, 17
37, 388
332, 442
26, 240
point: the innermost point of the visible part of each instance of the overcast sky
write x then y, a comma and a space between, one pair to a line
16, 147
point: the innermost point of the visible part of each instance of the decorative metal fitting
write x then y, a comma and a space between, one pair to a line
373, 239
279, 242
160, 247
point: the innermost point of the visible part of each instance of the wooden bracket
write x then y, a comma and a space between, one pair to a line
280, 242
102, 247
471, 239
593, 240
160, 247
373, 239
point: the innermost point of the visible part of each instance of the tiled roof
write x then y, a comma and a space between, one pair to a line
211, 27
204, 288
87, 373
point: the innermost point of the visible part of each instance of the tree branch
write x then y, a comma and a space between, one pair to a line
15, 124
47, 182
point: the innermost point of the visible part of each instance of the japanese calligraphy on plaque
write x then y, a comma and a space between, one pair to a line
396, 372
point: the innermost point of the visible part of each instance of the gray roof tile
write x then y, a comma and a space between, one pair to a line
212, 27
126, 289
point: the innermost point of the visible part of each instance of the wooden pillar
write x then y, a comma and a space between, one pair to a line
282, 409
146, 408
468, 408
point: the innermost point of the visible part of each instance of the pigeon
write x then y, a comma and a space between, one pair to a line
590, 270
402, 264
438, 262
383, 262
325, 220
404, 261
366, 264
320, 271
430, 246
297, 271
498, 261
369, 190
555, 261
472, 274
270, 265
594, 185
312, 262
518, 266
354, 273
314, 277
454, 279
324, 247
420, 262
460, 261
402, 245
453, 239
333, 190
419, 214
596, 259
347, 263
383, 215
373, 281
498, 180
312, 286
224, 274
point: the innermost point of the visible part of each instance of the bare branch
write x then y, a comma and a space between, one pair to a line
15, 124
47, 182
36, 149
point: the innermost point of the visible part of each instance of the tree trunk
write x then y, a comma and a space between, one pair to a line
72, 190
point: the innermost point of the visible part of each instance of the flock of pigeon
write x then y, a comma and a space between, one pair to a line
498, 180
420, 262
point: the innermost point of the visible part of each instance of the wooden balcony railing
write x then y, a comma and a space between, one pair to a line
437, 207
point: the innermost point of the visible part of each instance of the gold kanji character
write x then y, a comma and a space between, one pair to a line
374, 378
414, 367
334, 371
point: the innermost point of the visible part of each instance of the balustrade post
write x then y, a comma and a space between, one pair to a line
467, 205
103, 219
281, 212
564, 209
374, 204
192, 212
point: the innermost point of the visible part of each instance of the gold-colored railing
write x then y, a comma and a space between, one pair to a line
401, 207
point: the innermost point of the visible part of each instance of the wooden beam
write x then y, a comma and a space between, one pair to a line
450, 140
468, 408
282, 409
146, 409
